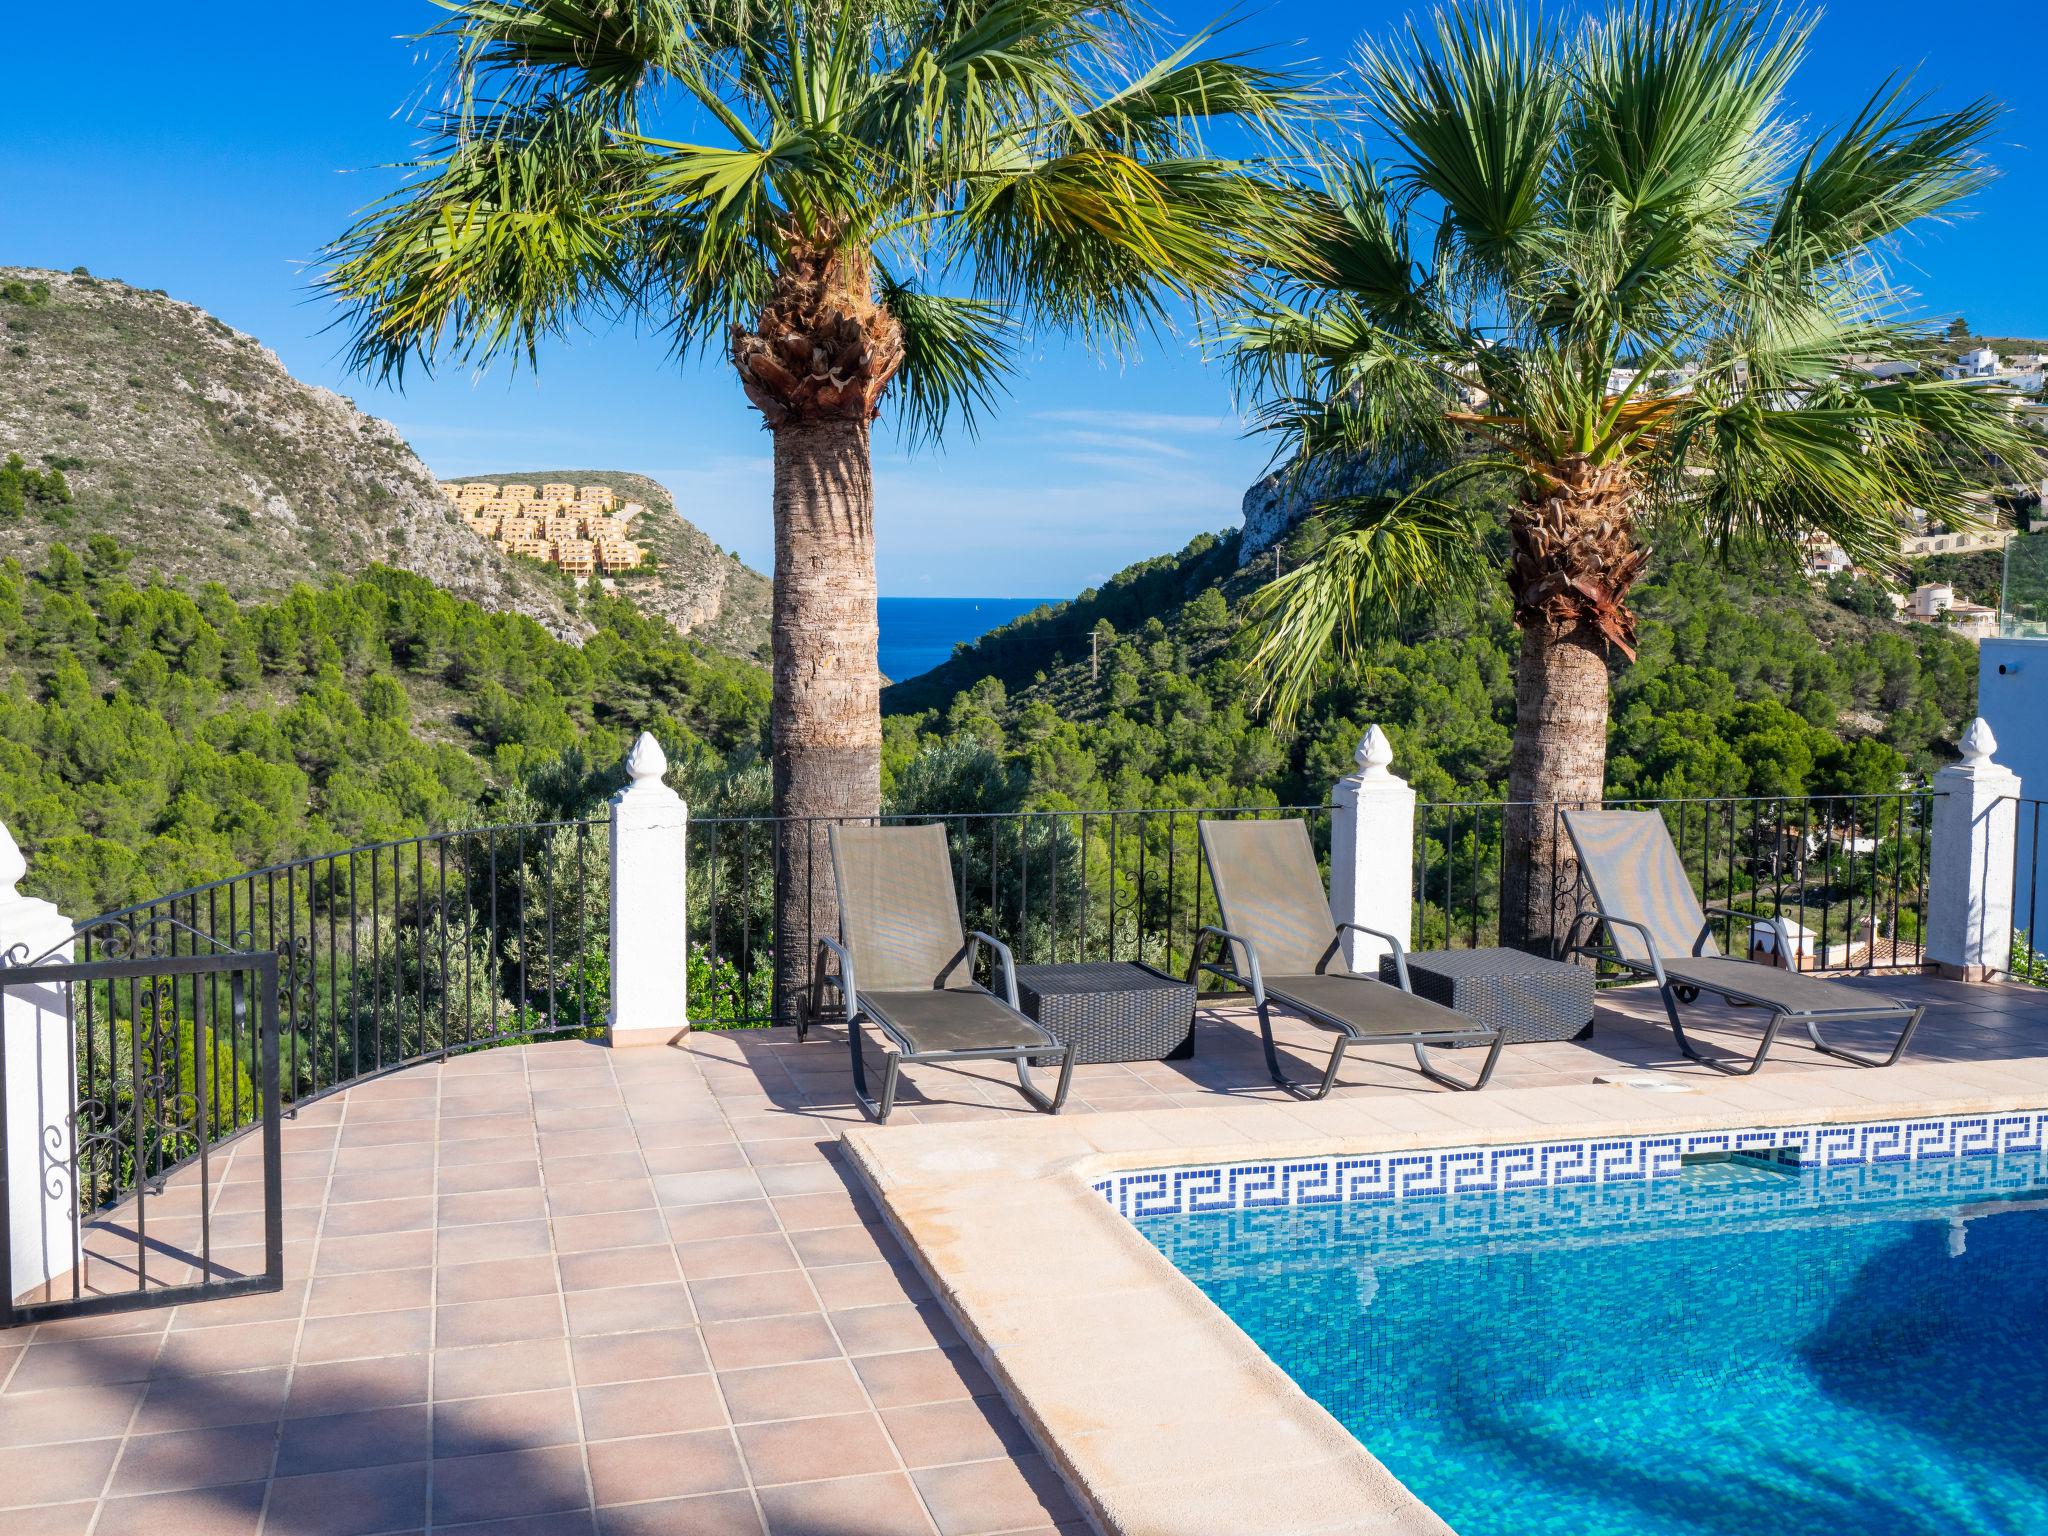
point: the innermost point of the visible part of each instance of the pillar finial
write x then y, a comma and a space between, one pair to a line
1978, 744
646, 763
1374, 755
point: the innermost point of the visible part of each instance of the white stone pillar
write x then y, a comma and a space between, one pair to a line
1372, 852
42, 1086
1970, 868
650, 971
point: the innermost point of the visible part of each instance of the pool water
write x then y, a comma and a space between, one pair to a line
1743, 1348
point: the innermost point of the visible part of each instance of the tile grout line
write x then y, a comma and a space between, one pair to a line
561, 1291
434, 1289
291, 1374
867, 1397
753, 1489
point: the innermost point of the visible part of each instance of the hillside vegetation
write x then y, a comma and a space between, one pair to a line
1748, 682
152, 738
189, 443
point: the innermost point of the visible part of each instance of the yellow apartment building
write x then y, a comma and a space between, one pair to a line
581, 529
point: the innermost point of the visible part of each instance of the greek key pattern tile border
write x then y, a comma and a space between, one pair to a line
1414, 1175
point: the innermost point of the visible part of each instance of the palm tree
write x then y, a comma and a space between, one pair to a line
1600, 280
839, 198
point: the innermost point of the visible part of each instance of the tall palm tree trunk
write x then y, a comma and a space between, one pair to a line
1575, 558
1559, 760
815, 365
826, 717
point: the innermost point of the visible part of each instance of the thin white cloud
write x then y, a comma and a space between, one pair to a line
1128, 442
1170, 422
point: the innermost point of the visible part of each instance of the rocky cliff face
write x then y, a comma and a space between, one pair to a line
1282, 499
189, 442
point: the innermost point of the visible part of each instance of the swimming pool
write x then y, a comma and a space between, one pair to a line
1735, 1345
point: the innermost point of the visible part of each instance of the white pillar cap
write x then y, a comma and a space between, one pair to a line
1374, 755
1978, 744
646, 761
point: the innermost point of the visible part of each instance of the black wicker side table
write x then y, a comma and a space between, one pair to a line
1112, 1011
1531, 997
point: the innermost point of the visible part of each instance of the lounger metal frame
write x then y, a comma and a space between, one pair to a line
1674, 990
856, 1011
1347, 1032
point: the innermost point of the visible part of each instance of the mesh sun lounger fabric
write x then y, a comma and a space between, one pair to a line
940, 1019
1269, 894
1375, 1009
1632, 868
897, 912
1269, 890
912, 963
1633, 871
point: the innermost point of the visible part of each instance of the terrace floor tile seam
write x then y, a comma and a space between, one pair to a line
717, 1386
340, 1119
560, 1296
895, 1451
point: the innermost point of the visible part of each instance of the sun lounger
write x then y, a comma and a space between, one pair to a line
902, 965
1656, 927
1286, 950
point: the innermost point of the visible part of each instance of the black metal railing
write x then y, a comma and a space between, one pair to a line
1849, 870
411, 950
1055, 885
149, 1065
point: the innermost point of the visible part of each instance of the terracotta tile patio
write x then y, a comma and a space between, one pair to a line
563, 1289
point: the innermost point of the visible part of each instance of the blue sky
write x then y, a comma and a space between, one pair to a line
211, 151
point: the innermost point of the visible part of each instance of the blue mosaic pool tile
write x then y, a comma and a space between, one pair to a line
1369, 1178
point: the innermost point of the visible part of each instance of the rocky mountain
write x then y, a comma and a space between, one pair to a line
1278, 502
699, 588
190, 443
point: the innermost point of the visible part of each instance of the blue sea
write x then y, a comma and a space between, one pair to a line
920, 632
1729, 1352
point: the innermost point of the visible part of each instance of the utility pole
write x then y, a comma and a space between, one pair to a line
1276, 562
1094, 657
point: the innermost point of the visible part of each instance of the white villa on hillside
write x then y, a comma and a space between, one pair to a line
1935, 603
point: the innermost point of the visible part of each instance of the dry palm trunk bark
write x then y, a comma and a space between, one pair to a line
815, 365
1576, 556
826, 715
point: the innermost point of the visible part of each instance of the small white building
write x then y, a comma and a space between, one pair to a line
1823, 556
1977, 363
1808, 953
1935, 602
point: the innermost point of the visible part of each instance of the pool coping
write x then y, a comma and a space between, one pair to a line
1161, 1415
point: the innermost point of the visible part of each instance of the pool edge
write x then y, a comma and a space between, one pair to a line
1161, 1415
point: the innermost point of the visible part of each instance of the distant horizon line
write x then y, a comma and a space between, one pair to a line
963, 597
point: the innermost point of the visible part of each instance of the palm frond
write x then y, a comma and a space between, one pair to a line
1163, 104
1094, 242
1896, 164
1853, 465
1477, 104
1032, 161
956, 352
507, 233
1672, 107
568, 47
1387, 556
